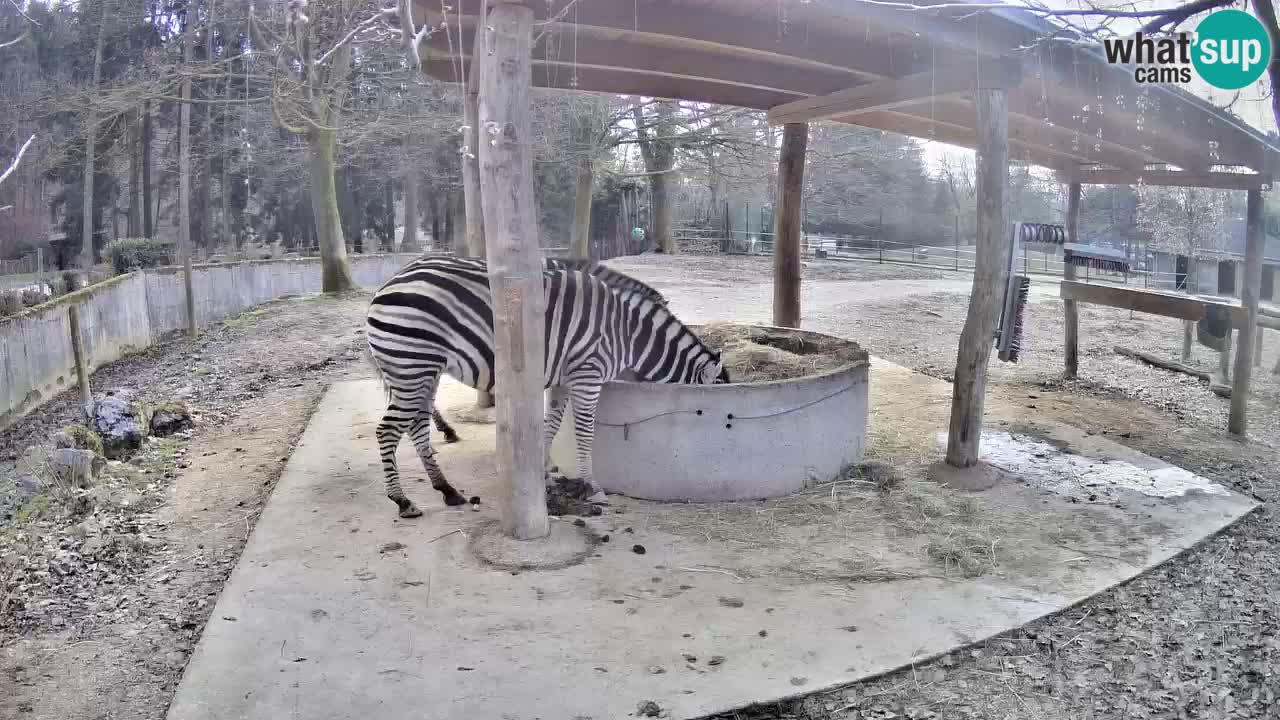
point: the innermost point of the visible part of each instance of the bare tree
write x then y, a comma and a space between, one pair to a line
309, 90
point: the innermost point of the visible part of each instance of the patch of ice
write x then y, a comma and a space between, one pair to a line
1046, 466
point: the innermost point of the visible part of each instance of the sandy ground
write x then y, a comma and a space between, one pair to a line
94, 634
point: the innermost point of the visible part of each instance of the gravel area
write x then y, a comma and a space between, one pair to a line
1198, 637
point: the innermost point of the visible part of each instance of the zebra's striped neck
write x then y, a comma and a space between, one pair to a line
657, 346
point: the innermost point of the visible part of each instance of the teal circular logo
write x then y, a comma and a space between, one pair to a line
1231, 49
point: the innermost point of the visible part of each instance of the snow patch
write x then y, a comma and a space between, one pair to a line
1047, 466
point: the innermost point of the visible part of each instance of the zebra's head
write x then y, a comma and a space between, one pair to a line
714, 372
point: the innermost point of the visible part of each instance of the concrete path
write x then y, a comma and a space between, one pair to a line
338, 609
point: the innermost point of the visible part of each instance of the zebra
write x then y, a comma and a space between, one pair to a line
436, 315
618, 281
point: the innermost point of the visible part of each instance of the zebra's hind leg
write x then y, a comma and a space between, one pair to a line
421, 434
400, 415
585, 395
444, 427
558, 400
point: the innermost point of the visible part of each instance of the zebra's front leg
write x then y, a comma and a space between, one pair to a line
585, 396
421, 434
557, 401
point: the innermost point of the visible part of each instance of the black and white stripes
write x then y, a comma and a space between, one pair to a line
436, 316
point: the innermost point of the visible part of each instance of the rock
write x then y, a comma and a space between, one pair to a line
648, 708
28, 485
121, 423
77, 468
169, 418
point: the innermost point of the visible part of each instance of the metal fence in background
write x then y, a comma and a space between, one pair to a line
959, 258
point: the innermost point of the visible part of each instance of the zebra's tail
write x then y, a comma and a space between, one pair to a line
377, 370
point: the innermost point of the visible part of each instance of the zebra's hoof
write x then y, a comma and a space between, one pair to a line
409, 510
451, 437
454, 499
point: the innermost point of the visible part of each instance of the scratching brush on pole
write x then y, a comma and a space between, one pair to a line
1017, 287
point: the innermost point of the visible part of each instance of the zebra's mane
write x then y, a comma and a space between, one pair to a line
619, 282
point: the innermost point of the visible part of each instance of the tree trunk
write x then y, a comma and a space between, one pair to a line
1255, 236
515, 269
659, 160
206, 185
992, 179
580, 243
450, 238
1071, 314
148, 215
335, 268
471, 174
90, 147
184, 177
434, 203
410, 241
134, 225
786, 236
660, 212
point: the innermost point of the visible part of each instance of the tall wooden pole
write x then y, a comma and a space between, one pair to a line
1071, 354
1237, 422
81, 360
515, 267
787, 224
976, 339
471, 169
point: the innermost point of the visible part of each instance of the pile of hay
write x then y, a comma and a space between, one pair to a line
754, 354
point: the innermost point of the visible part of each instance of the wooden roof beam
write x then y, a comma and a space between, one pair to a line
1171, 178
965, 137
891, 93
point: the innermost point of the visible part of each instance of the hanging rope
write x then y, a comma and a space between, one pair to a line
730, 418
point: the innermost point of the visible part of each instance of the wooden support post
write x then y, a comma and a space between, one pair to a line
471, 171
1071, 314
515, 267
1257, 347
1238, 420
990, 255
786, 226
82, 362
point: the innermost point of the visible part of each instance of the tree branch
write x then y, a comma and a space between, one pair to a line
14, 165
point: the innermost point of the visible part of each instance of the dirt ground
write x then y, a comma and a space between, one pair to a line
104, 632
1197, 638
105, 603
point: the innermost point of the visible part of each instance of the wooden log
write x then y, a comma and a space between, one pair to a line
787, 224
81, 361
976, 339
515, 267
1171, 365
1237, 421
1215, 384
1071, 317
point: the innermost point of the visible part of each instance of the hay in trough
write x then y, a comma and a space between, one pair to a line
754, 354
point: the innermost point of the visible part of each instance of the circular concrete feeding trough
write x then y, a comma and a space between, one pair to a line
753, 439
